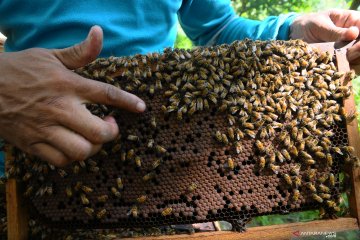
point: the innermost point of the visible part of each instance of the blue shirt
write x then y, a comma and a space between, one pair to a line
130, 26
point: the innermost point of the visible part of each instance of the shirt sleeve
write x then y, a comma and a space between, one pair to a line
2, 164
209, 22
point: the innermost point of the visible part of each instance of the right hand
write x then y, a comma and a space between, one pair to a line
42, 102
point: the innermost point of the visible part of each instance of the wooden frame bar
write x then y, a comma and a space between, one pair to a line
272, 232
16, 207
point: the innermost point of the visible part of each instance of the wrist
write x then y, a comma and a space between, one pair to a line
284, 30
294, 27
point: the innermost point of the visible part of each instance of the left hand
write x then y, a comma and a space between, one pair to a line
329, 26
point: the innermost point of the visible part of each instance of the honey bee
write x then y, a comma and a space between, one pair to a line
192, 187
116, 148
323, 188
260, 146
83, 164
310, 161
250, 133
141, 199
230, 163
317, 198
238, 147
130, 154
166, 212
138, 161
148, 176
115, 192
249, 125
86, 189
297, 181
231, 133
270, 130
89, 211
218, 136
28, 192
337, 150
280, 157
62, 173
103, 198
286, 154
348, 149
296, 195
77, 186
322, 179
156, 163
311, 187
119, 183
295, 170
274, 168
331, 179
330, 203
262, 162
101, 214
301, 146
150, 143
160, 149
272, 157
293, 150
239, 134
94, 169
263, 133
133, 138
310, 174
287, 179
305, 155
84, 199
282, 136
133, 211
27, 176
325, 195
320, 155
224, 138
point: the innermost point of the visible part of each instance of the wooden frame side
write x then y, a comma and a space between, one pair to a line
353, 137
17, 211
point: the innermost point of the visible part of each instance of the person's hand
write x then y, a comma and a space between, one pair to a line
42, 102
328, 26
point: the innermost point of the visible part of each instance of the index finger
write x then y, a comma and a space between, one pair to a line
103, 93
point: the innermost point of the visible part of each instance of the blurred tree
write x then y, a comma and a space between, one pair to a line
355, 4
259, 9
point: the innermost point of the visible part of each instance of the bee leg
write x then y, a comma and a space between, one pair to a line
238, 225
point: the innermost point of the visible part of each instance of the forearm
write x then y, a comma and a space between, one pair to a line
208, 22
270, 28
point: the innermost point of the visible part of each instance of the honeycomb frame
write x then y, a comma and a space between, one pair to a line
236, 203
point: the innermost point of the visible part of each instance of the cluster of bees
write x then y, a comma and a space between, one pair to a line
284, 96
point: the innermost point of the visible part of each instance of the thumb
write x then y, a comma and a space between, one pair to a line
84, 52
335, 33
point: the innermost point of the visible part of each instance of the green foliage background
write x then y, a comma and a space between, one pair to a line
259, 9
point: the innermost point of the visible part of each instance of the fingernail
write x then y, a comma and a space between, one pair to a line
140, 106
110, 119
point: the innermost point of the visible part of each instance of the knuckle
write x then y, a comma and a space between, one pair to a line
98, 134
111, 94
81, 152
81, 54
